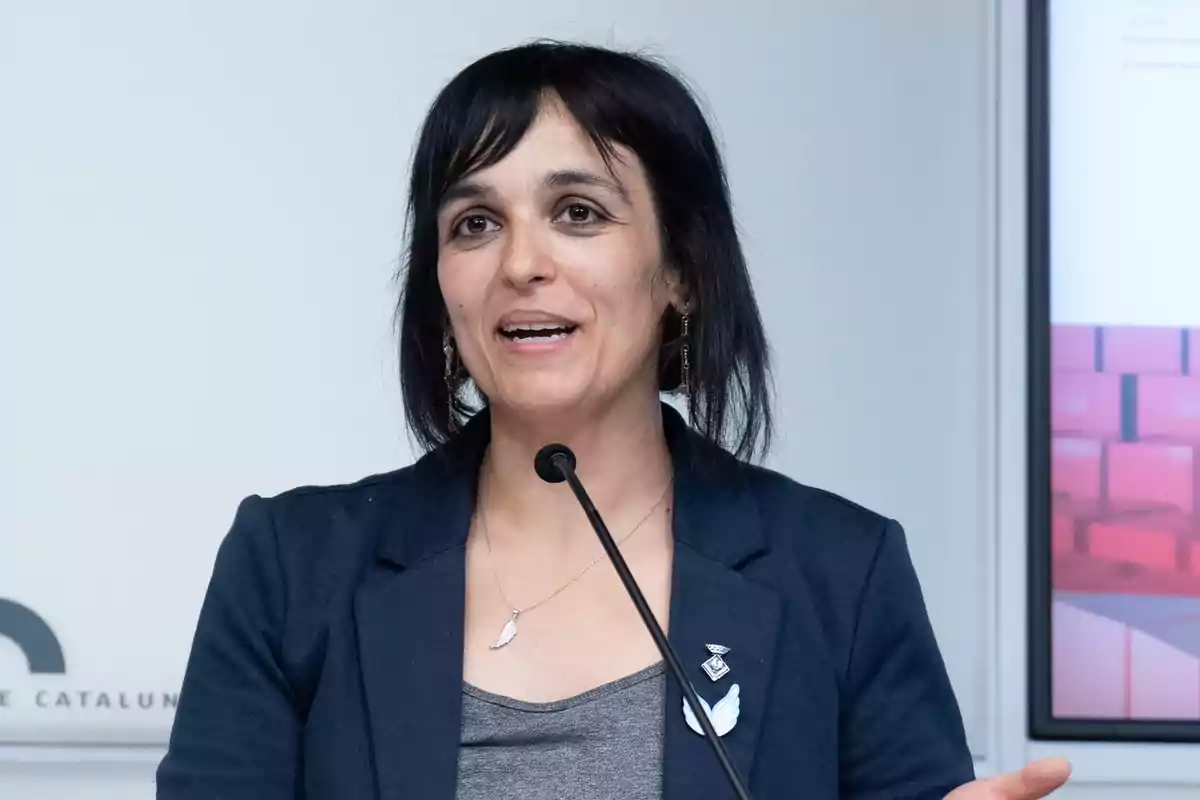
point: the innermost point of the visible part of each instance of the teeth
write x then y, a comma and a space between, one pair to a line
534, 326
539, 331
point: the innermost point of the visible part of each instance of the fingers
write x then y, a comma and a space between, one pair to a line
1035, 781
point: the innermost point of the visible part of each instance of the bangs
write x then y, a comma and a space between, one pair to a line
483, 115
489, 129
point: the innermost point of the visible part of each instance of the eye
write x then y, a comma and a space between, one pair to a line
577, 213
475, 225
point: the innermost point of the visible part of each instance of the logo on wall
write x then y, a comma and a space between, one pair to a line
33, 637
43, 653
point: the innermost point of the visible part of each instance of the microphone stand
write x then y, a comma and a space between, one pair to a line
555, 463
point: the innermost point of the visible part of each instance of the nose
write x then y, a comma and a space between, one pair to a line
526, 259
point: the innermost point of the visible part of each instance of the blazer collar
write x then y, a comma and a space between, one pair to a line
710, 497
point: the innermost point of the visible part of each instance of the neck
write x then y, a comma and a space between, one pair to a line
622, 461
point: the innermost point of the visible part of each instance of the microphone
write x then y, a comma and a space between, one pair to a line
555, 463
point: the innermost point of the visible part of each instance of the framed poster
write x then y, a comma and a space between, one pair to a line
1114, 369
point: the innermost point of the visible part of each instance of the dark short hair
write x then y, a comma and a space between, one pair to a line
618, 99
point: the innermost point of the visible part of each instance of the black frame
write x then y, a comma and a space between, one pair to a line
1042, 723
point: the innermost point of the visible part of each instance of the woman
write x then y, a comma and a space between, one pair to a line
452, 628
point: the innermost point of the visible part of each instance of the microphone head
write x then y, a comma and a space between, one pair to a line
546, 462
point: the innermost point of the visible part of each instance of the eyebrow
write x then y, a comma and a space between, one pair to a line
577, 177
466, 190
559, 179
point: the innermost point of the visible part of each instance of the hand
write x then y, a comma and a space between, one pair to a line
1035, 781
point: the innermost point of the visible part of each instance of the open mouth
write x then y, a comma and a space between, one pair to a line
537, 332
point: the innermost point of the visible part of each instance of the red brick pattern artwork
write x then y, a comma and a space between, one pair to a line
1125, 527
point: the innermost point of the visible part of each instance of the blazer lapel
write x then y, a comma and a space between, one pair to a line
409, 614
717, 532
410, 635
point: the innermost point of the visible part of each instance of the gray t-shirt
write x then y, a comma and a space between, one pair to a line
605, 744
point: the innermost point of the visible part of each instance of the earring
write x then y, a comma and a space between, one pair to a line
451, 391
685, 369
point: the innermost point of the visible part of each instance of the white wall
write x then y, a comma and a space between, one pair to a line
195, 297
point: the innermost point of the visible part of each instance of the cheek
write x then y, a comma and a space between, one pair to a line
461, 287
631, 313
623, 288
614, 269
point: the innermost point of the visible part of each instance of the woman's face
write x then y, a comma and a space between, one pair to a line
551, 269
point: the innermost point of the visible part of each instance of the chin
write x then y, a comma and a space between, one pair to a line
536, 398
535, 406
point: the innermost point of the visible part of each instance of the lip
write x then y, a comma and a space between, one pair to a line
538, 346
532, 317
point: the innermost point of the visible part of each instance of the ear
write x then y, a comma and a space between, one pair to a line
682, 302
678, 296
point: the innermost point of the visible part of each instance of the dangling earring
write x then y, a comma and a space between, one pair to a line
451, 390
685, 369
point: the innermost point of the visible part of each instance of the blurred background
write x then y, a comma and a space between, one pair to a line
201, 212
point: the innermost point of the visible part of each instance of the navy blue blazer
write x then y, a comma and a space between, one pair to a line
327, 660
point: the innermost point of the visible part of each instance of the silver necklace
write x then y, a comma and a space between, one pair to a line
509, 631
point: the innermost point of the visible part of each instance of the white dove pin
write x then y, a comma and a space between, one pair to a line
724, 715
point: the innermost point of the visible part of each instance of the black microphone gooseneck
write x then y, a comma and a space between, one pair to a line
555, 463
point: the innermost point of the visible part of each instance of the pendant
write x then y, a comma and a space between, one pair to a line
507, 633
